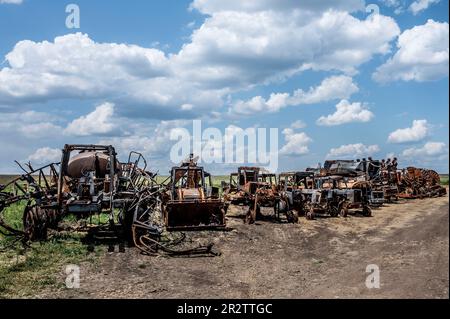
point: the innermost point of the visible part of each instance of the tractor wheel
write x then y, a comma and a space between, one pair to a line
367, 211
281, 207
343, 211
310, 214
333, 211
250, 218
292, 216
125, 218
258, 212
53, 218
34, 223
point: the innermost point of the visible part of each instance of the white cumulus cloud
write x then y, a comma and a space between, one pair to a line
427, 150
298, 124
420, 5
422, 55
45, 155
11, 1
417, 132
99, 122
31, 124
151, 141
39, 130
353, 151
215, 6
296, 143
331, 88
347, 112
238, 47
75, 66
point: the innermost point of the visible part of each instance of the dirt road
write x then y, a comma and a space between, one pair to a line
324, 258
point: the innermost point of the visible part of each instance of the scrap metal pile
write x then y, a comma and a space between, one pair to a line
91, 181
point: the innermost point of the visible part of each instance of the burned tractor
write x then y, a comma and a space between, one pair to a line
313, 193
363, 175
252, 187
291, 187
419, 183
191, 201
242, 184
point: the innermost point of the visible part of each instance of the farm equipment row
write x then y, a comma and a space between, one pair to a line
91, 181
336, 189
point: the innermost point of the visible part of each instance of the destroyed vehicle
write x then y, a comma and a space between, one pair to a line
192, 201
420, 183
292, 199
252, 187
383, 177
88, 181
358, 171
336, 195
242, 186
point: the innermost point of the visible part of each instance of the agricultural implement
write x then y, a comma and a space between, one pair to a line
90, 181
384, 176
420, 183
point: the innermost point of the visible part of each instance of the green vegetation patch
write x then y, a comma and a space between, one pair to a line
27, 271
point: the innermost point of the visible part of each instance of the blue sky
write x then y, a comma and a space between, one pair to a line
336, 81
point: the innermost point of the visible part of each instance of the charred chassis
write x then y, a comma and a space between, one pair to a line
307, 194
252, 187
192, 202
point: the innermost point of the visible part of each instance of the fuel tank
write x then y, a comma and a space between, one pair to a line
88, 161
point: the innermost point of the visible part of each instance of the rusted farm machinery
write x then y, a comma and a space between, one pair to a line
90, 181
252, 187
84, 184
420, 183
186, 201
291, 187
359, 174
384, 176
192, 202
386, 183
310, 194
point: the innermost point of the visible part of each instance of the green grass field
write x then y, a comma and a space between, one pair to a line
25, 270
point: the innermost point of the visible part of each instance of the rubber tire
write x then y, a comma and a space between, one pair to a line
334, 211
310, 215
34, 226
292, 216
367, 211
343, 211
